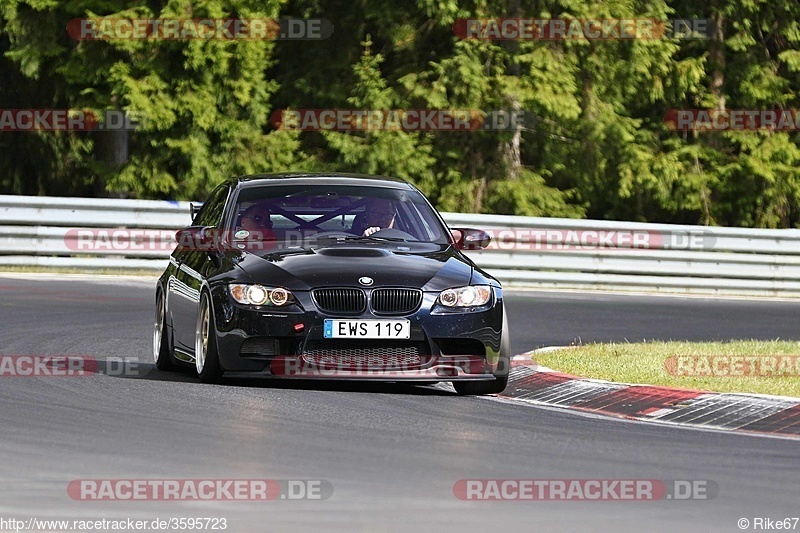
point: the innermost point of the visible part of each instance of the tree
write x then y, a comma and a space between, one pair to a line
202, 104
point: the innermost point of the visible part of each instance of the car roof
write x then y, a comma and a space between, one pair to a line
319, 178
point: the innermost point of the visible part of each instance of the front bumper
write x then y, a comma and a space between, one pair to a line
452, 346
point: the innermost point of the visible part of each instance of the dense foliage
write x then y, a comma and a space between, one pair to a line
599, 146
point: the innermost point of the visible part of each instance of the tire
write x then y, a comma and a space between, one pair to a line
478, 388
205, 343
162, 353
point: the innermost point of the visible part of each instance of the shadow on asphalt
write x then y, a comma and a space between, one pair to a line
148, 371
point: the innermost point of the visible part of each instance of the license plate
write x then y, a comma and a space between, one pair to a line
367, 329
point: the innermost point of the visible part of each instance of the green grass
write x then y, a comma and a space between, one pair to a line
99, 271
655, 363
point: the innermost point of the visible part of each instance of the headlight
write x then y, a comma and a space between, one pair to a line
470, 296
260, 295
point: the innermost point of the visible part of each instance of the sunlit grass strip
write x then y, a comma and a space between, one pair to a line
105, 271
656, 363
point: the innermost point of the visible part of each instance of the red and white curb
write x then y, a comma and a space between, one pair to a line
752, 413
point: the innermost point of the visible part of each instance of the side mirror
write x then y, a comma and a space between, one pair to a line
470, 239
198, 238
194, 209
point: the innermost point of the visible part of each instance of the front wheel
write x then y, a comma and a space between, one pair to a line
205, 344
476, 388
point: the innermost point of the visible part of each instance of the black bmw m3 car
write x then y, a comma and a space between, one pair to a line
330, 276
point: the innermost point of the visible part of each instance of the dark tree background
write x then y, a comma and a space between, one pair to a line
599, 148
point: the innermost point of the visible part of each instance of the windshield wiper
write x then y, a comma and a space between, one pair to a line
278, 255
374, 238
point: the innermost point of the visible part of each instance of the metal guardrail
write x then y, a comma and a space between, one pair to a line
547, 253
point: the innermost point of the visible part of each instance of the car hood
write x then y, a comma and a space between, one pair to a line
431, 267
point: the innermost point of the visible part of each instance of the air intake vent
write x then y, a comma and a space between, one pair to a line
341, 301
358, 355
259, 347
395, 301
353, 252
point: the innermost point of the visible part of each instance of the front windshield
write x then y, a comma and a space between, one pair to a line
300, 214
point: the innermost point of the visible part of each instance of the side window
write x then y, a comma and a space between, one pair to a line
211, 212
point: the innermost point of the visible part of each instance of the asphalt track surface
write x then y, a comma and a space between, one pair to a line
392, 454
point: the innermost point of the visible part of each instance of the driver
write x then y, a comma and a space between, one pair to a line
256, 223
379, 215
256, 217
